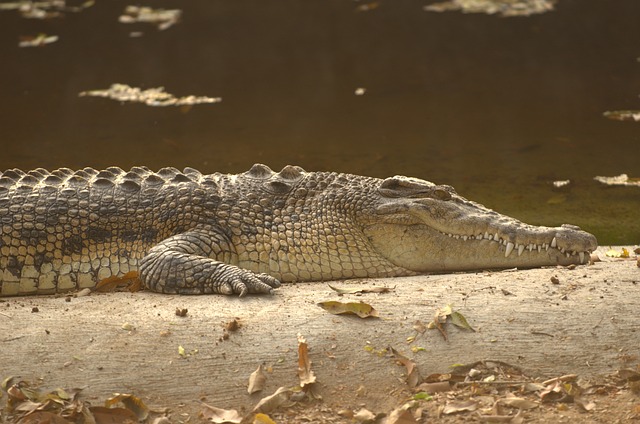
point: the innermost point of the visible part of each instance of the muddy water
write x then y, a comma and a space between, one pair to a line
497, 107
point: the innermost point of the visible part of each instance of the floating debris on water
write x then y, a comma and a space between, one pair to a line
619, 180
561, 183
46, 9
162, 18
491, 7
150, 97
623, 115
360, 91
37, 40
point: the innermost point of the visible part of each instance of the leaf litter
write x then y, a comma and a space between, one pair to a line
484, 391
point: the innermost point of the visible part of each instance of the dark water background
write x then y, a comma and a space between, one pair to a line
497, 107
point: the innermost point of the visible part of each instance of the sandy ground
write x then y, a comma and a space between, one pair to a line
583, 322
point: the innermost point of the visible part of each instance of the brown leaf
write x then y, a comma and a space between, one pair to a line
257, 380
104, 415
305, 373
401, 415
413, 374
459, 406
43, 417
441, 386
130, 280
517, 402
131, 402
269, 403
361, 309
361, 290
220, 416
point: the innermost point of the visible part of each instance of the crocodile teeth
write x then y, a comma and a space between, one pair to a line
510, 247
581, 255
520, 249
554, 242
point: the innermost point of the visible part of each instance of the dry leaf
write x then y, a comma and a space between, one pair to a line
459, 406
413, 374
361, 309
460, 321
305, 373
517, 402
361, 290
263, 419
131, 402
43, 417
440, 386
220, 416
364, 415
104, 415
269, 403
401, 415
257, 380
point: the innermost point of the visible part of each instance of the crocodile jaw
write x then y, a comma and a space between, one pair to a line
425, 235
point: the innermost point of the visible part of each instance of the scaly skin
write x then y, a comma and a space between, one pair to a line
189, 233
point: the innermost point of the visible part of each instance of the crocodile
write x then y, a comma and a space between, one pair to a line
185, 232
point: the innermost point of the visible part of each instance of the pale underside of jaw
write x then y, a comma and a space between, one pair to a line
511, 247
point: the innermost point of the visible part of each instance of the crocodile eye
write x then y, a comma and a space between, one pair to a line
441, 194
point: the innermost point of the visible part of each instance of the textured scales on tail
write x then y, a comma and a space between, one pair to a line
190, 233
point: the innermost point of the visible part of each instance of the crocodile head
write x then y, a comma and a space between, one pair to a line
424, 227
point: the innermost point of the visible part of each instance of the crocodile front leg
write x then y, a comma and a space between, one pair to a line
188, 263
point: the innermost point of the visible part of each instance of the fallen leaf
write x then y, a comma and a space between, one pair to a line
361, 309
342, 291
419, 326
219, 416
413, 374
305, 374
274, 401
43, 417
460, 321
104, 415
129, 281
517, 402
401, 415
622, 253
585, 406
459, 406
440, 386
257, 380
263, 419
364, 415
422, 396
131, 402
